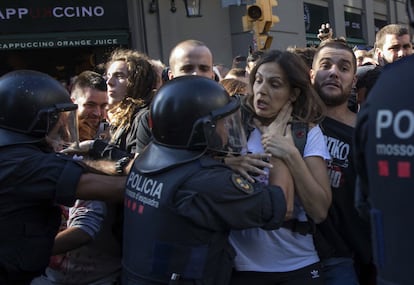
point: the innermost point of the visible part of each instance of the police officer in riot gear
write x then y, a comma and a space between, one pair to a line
37, 118
180, 202
384, 142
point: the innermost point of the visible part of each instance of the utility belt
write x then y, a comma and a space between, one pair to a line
301, 227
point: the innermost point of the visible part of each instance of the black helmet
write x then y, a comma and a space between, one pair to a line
189, 115
30, 104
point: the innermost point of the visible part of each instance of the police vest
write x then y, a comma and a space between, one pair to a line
159, 244
389, 153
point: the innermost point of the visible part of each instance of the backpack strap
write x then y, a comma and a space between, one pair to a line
300, 135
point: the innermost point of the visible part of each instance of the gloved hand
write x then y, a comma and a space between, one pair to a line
82, 148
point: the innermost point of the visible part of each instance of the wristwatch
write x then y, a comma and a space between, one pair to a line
121, 163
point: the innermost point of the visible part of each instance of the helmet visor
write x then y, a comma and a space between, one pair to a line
65, 132
226, 135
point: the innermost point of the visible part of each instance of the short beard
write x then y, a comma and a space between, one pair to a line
333, 101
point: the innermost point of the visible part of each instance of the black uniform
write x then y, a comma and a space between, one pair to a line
384, 143
32, 183
178, 218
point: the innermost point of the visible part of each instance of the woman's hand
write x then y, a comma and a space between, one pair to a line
277, 137
279, 124
278, 145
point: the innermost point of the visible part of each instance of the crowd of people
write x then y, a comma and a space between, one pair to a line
193, 173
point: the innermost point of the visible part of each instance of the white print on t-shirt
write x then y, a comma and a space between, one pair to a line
339, 151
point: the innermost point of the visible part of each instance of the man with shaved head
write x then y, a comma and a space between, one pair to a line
189, 57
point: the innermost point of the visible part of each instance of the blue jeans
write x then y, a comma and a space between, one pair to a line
339, 271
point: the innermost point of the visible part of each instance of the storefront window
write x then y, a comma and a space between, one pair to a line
314, 16
354, 28
379, 24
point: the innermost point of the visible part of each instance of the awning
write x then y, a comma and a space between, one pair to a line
64, 40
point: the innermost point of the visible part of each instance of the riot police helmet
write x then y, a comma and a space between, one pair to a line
191, 115
34, 106
187, 111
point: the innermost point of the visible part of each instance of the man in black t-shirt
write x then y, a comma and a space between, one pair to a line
343, 239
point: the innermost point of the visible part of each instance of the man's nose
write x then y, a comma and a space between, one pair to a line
103, 112
334, 70
97, 111
260, 88
109, 80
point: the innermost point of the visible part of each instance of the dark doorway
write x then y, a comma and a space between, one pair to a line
60, 63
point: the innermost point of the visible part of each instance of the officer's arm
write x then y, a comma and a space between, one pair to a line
93, 186
220, 199
109, 167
